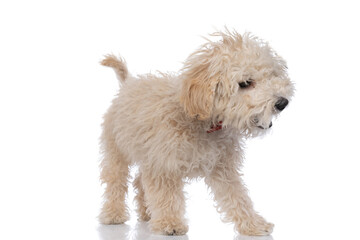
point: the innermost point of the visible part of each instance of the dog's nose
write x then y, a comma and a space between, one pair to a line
270, 125
281, 103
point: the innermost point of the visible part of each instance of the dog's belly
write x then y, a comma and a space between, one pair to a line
189, 159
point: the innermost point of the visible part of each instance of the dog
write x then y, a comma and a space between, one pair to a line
193, 124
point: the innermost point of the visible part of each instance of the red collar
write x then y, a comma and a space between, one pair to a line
216, 127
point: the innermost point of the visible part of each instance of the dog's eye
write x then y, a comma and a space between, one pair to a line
246, 84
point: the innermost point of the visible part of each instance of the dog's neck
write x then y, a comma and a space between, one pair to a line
215, 127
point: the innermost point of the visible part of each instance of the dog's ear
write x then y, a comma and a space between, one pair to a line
202, 72
198, 88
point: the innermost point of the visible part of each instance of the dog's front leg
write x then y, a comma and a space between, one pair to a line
165, 199
232, 199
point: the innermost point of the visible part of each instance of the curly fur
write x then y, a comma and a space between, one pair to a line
160, 123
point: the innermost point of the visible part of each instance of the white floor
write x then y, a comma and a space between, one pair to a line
140, 231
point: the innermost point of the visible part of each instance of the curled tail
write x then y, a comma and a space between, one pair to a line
118, 64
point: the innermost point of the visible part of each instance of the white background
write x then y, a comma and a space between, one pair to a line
303, 176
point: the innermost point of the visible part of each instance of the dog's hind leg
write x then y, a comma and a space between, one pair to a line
140, 199
115, 173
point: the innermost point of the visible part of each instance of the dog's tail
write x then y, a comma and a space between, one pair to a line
118, 64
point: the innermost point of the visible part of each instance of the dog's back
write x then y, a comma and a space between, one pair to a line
141, 110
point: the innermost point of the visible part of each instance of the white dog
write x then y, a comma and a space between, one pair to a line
190, 125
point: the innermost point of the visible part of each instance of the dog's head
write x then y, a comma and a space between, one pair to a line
238, 80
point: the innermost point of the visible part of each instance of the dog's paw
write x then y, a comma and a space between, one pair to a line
256, 226
113, 216
171, 227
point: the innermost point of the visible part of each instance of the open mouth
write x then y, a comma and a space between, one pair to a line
256, 123
270, 125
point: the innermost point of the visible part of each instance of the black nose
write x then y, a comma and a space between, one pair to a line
281, 103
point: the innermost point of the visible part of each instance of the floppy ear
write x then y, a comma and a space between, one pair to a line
198, 91
203, 70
